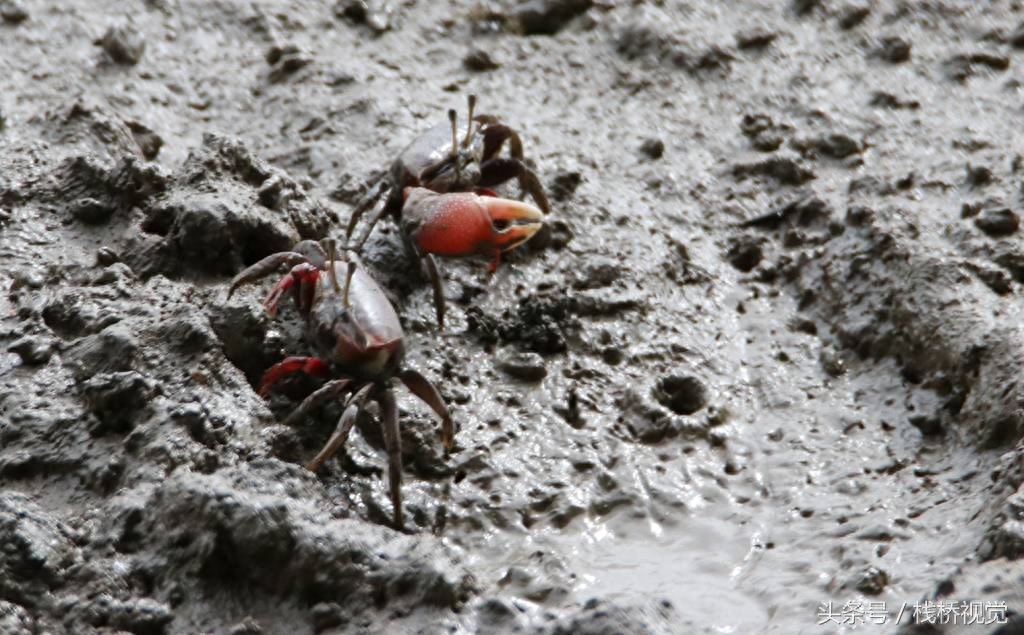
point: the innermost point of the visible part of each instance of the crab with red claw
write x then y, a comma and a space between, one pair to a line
360, 342
438, 191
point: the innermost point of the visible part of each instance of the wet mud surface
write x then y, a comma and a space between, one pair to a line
769, 354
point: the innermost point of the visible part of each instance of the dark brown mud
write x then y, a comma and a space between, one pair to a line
767, 357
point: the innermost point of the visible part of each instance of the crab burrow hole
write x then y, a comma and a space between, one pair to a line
682, 394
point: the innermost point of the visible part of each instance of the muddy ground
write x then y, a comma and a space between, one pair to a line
769, 354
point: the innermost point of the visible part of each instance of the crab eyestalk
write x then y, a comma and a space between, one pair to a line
466, 224
454, 118
469, 122
331, 258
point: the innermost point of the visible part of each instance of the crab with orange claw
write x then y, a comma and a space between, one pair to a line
361, 348
438, 192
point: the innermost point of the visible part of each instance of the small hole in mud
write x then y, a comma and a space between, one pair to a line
158, 223
1002, 433
460, 476
683, 395
745, 256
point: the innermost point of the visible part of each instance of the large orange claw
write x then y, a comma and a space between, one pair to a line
467, 224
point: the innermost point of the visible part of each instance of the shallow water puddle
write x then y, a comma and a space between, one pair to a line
698, 558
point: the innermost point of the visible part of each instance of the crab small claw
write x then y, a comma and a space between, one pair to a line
467, 224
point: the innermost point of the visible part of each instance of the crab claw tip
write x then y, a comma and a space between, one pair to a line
513, 222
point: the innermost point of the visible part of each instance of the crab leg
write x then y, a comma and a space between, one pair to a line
265, 267
495, 134
393, 444
345, 423
320, 396
438, 284
427, 392
371, 196
498, 171
379, 213
290, 365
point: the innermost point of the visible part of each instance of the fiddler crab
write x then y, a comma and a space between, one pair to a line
360, 344
438, 192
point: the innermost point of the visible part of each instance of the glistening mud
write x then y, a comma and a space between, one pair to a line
768, 354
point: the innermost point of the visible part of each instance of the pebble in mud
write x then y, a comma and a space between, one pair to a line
893, 49
123, 44
785, 170
965, 65
853, 15
564, 185
378, 15
834, 145
149, 141
286, 59
524, 366
755, 38
12, 12
547, 17
764, 134
978, 175
871, 581
653, 148
998, 222
105, 256
327, 615
803, 7
479, 60
597, 272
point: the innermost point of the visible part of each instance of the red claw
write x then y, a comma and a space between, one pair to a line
309, 365
468, 224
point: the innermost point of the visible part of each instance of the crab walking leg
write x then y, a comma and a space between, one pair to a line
393, 444
497, 171
374, 193
266, 267
331, 390
345, 423
495, 134
383, 209
428, 394
309, 365
434, 275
